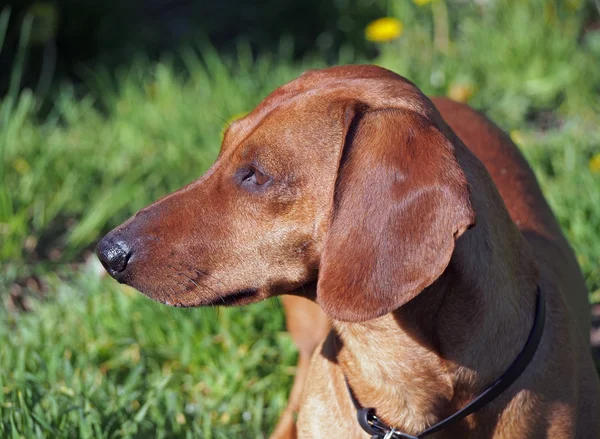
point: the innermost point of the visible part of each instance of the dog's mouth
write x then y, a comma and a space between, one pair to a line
237, 298
240, 297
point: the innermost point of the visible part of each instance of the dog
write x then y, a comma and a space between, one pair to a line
423, 273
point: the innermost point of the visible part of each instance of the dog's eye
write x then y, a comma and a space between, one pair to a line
257, 177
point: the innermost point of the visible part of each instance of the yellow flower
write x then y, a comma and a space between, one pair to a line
422, 2
595, 163
383, 29
461, 92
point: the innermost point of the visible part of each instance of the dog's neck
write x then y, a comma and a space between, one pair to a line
430, 357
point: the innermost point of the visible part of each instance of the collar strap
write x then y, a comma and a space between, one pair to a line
369, 421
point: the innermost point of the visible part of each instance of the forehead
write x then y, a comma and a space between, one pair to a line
305, 107
311, 91
369, 84
303, 118
277, 110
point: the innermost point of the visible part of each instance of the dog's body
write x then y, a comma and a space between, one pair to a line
422, 378
347, 187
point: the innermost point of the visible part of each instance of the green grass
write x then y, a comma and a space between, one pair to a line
94, 360
99, 360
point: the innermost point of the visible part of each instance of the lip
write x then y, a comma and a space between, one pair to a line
237, 298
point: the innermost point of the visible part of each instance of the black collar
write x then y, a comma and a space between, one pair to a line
374, 426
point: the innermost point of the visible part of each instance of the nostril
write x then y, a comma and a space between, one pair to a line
114, 255
125, 261
119, 258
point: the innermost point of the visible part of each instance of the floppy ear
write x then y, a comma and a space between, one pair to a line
400, 202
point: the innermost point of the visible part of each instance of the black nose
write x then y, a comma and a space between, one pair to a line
114, 254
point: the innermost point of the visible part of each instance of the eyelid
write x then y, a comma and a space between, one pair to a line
253, 176
260, 177
256, 167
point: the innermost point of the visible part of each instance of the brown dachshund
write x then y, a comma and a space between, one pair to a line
420, 237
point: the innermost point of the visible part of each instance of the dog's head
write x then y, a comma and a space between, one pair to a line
342, 177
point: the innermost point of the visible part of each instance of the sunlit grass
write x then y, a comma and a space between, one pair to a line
99, 360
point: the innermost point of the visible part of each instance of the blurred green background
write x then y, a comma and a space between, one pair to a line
106, 106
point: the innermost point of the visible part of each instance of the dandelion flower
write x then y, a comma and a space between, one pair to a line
383, 29
595, 163
461, 92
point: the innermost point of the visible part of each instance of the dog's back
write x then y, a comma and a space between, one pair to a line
525, 202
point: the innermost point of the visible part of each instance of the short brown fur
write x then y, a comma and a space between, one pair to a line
418, 234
